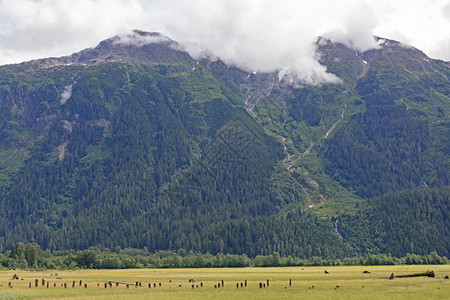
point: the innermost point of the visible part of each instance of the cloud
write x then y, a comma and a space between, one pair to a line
446, 12
358, 27
34, 29
265, 35
422, 24
139, 38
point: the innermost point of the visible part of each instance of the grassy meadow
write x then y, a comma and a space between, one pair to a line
307, 282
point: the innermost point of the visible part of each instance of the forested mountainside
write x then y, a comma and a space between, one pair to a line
134, 143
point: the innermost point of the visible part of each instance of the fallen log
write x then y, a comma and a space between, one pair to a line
426, 274
118, 282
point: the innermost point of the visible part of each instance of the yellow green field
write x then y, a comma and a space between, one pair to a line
307, 282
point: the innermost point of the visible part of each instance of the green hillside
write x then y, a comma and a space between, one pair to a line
142, 146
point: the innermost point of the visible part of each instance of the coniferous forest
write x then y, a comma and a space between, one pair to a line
203, 164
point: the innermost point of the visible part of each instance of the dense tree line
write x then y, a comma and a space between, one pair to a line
30, 256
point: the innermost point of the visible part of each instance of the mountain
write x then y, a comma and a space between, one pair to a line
134, 143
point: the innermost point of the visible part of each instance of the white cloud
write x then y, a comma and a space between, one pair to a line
358, 29
422, 24
141, 40
138, 38
260, 35
33, 29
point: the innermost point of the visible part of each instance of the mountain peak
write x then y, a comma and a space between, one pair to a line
137, 47
352, 64
139, 38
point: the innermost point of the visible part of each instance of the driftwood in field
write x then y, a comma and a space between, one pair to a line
427, 274
118, 282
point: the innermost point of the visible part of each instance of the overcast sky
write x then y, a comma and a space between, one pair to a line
257, 34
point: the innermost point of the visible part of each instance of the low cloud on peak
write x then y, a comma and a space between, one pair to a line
266, 35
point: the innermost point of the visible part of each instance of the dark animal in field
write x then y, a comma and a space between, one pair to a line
192, 280
366, 272
326, 272
392, 276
